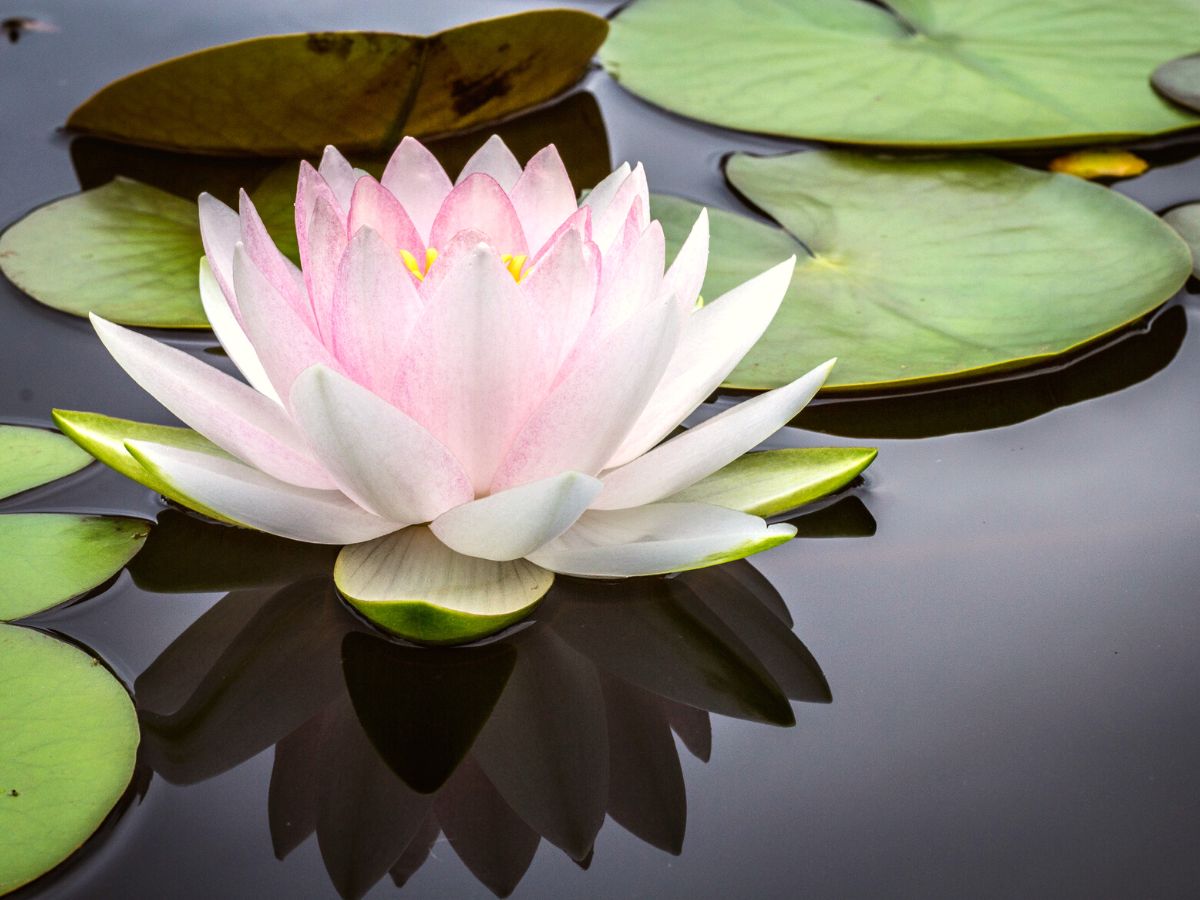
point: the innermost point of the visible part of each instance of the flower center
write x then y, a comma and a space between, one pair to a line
514, 264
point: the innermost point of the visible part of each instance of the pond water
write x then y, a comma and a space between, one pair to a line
1002, 619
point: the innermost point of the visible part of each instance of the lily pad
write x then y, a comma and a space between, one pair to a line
909, 72
31, 457
1179, 80
926, 270
48, 558
69, 738
1186, 221
289, 95
775, 481
125, 251
413, 585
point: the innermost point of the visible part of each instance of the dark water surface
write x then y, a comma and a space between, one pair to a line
1005, 612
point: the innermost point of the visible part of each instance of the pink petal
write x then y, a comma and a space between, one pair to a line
580, 220
480, 203
321, 254
633, 283
593, 405
232, 415
310, 187
494, 159
277, 268
543, 196
339, 175
380, 458
374, 206
220, 229
418, 181
375, 306
475, 367
229, 332
562, 286
633, 193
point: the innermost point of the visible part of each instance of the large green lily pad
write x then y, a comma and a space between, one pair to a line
48, 558
925, 270
909, 72
31, 457
125, 251
68, 741
288, 95
1179, 80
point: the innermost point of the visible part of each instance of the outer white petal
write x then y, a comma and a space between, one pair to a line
514, 523
229, 332
495, 159
700, 451
601, 195
220, 230
339, 175
377, 455
686, 275
232, 415
656, 539
259, 501
714, 340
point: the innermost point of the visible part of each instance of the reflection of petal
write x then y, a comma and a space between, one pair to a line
645, 793
294, 795
491, 840
227, 688
546, 746
416, 852
692, 725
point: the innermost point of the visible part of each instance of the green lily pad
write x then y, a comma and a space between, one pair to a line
104, 437
125, 251
69, 740
1179, 80
31, 457
925, 270
413, 585
775, 481
909, 72
1186, 221
289, 95
48, 558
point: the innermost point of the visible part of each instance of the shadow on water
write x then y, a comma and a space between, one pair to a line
539, 734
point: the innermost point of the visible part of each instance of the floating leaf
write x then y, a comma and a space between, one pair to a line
1179, 80
1186, 221
1100, 164
924, 270
774, 481
290, 95
910, 72
31, 457
126, 251
68, 741
48, 558
412, 584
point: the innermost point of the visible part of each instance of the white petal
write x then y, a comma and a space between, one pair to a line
418, 181
339, 175
700, 451
232, 415
220, 230
495, 159
599, 197
656, 539
229, 332
259, 501
514, 523
714, 340
378, 456
686, 275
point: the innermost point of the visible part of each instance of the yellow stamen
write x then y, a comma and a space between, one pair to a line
514, 264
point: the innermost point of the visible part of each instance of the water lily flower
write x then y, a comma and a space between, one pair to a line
471, 384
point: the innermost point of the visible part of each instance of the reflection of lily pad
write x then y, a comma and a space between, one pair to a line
47, 558
68, 739
925, 270
911, 72
1179, 79
30, 457
288, 95
1186, 221
125, 251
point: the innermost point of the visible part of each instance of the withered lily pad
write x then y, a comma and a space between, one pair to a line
289, 95
925, 270
69, 742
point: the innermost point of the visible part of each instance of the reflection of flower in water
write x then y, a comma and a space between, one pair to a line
380, 747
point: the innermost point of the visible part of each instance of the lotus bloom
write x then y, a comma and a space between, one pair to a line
472, 382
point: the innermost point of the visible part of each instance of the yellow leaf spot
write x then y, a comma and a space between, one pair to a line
1100, 164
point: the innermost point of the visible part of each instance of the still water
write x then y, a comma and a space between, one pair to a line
995, 693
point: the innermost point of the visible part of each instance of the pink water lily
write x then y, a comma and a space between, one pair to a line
488, 361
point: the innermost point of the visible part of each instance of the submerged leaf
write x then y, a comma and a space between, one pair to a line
125, 251
909, 72
925, 270
288, 95
69, 737
48, 558
31, 457
1092, 164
